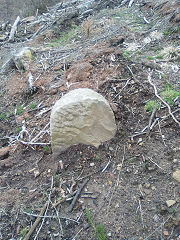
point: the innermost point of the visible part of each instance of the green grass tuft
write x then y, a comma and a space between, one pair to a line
169, 94
151, 105
150, 58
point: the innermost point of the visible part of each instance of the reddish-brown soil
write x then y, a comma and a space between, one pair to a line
129, 177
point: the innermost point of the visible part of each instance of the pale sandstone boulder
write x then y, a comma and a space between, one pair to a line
81, 116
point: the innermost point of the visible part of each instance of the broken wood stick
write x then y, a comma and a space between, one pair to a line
13, 29
77, 194
36, 222
130, 3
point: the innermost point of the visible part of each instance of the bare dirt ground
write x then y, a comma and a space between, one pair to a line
128, 180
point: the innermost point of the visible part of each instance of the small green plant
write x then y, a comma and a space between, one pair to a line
159, 56
20, 110
150, 58
100, 232
33, 105
60, 71
46, 149
164, 75
3, 116
59, 198
18, 130
98, 157
169, 94
132, 160
66, 38
138, 218
27, 210
166, 32
158, 48
150, 105
127, 54
24, 232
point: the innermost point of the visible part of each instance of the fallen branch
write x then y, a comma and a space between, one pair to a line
106, 166
13, 29
151, 118
165, 103
130, 3
77, 194
36, 222
34, 143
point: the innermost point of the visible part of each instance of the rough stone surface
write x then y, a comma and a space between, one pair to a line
176, 175
81, 116
170, 203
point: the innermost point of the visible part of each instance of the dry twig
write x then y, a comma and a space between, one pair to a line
141, 212
46, 209
161, 133
117, 182
77, 194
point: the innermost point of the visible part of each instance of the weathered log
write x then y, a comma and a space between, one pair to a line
13, 29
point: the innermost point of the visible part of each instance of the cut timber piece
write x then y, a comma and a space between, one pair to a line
81, 116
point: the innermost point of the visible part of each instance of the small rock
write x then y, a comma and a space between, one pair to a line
86, 226
117, 205
109, 234
156, 218
170, 203
153, 188
147, 191
166, 233
147, 185
3, 38
151, 169
140, 140
92, 164
119, 166
175, 160
176, 175
36, 173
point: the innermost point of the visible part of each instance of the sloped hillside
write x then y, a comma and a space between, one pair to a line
128, 188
